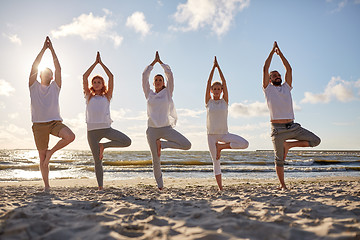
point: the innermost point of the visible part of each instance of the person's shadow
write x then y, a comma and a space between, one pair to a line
199, 212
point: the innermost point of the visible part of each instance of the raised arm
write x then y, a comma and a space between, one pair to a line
34, 68
56, 63
110, 76
86, 77
225, 90
208, 85
266, 74
288, 74
167, 70
146, 75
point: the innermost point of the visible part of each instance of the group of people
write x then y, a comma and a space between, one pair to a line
162, 115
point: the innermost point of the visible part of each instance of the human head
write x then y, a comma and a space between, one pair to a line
216, 89
98, 85
275, 78
46, 76
159, 82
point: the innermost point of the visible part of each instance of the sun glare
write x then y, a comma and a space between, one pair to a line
46, 62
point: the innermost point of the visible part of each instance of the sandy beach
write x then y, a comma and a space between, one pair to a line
322, 208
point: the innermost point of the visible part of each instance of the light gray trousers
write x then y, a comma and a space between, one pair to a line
117, 139
173, 139
281, 132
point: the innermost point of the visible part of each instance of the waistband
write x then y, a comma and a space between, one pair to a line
160, 127
287, 125
45, 123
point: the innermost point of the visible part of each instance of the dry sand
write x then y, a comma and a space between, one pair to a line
324, 208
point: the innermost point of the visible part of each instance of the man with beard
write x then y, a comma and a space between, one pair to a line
279, 101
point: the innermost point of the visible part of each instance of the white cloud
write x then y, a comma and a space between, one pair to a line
13, 129
117, 115
89, 27
128, 114
251, 127
138, 23
76, 123
248, 110
13, 38
218, 14
5, 88
13, 115
337, 88
107, 11
255, 109
340, 5
190, 113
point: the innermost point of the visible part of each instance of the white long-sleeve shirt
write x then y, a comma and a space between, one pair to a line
160, 106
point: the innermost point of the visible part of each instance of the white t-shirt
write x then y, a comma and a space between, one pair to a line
279, 101
160, 106
98, 113
217, 112
45, 102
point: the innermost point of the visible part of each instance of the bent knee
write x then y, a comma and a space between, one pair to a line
245, 144
187, 145
128, 143
70, 137
315, 142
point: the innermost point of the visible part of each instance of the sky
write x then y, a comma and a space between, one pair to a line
320, 39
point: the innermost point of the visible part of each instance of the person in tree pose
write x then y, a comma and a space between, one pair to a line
280, 104
218, 135
162, 116
45, 111
98, 118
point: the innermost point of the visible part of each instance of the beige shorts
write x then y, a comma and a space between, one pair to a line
42, 133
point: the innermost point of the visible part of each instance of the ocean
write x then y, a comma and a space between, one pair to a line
21, 164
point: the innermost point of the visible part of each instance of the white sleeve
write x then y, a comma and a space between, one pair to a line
169, 78
145, 80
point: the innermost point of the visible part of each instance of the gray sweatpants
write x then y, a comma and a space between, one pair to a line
281, 132
173, 138
117, 139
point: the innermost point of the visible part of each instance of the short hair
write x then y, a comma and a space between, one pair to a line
274, 71
216, 83
47, 71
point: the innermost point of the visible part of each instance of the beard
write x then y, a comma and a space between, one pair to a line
277, 82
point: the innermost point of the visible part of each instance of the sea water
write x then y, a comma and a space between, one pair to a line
19, 165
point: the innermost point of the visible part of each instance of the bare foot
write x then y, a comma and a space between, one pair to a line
47, 189
218, 151
101, 155
284, 188
158, 145
100, 188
